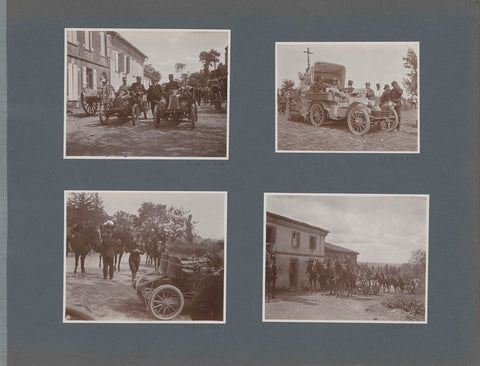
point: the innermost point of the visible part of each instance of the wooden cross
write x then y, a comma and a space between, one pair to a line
308, 57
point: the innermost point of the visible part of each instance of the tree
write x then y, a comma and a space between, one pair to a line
149, 69
124, 219
411, 64
83, 207
418, 258
215, 57
287, 85
179, 67
209, 58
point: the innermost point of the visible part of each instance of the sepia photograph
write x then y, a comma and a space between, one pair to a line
346, 97
345, 258
141, 257
146, 93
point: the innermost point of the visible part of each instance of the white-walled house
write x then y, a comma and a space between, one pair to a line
296, 243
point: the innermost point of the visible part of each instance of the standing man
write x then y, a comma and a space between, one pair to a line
108, 252
349, 89
123, 90
378, 92
386, 94
154, 93
370, 93
396, 97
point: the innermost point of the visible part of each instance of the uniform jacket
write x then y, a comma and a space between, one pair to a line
155, 92
137, 87
108, 247
396, 95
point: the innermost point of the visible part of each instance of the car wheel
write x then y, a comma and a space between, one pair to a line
166, 302
391, 122
316, 115
102, 113
358, 121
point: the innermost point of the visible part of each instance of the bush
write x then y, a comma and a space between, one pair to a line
408, 303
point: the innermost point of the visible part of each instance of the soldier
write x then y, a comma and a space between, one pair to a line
108, 252
123, 90
396, 97
154, 93
349, 89
378, 92
137, 87
169, 90
370, 93
386, 94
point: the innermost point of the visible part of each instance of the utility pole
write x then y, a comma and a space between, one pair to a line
308, 57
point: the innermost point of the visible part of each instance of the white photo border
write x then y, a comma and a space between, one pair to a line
427, 228
277, 150
118, 157
153, 321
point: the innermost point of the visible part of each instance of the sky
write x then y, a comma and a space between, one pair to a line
208, 209
376, 62
381, 229
166, 48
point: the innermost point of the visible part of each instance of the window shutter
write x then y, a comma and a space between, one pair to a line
102, 43
95, 82
75, 82
124, 63
116, 61
69, 81
84, 77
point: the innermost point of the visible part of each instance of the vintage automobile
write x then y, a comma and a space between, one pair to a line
326, 99
182, 108
164, 292
123, 107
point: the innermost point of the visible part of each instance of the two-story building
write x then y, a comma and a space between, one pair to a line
125, 60
296, 243
93, 55
87, 61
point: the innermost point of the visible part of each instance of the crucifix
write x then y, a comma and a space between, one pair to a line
308, 57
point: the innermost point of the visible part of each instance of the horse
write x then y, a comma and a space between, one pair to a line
270, 278
338, 279
88, 238
329, 277
350, 281
322, 277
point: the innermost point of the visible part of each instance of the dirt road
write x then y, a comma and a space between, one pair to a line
85, 136
303, 306
109, 300
335, 136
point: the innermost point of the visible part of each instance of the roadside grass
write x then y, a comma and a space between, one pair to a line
414, 308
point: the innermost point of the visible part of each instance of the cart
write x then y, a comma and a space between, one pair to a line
182, 107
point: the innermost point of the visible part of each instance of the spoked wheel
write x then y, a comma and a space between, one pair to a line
316, 115
390, 122
88, 105
103, 112
135, 114
358, 121
166, 302
193, 115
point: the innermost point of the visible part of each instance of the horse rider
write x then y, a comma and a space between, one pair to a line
396, 97
312, 276
154, 93
108, 253
123, 91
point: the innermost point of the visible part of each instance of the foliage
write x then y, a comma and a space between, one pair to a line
408, 303
287, 85
149, 69
411, 81
83, 207
179, 67
209, 58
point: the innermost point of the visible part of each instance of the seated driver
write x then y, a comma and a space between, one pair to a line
171, 89
123, 90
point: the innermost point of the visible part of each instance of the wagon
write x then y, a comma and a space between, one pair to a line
90, 98
367, 286
181, 108
326, 100
164, 292
123, 107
